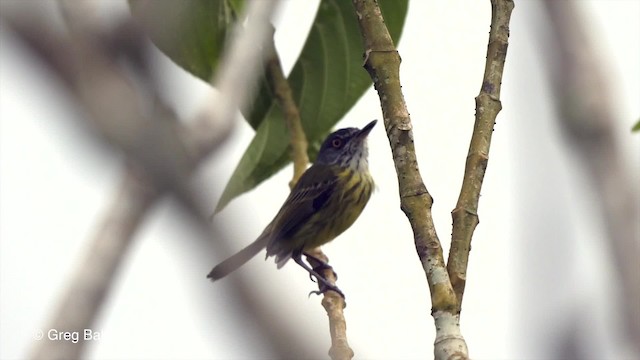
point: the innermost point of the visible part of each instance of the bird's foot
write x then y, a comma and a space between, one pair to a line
324, 287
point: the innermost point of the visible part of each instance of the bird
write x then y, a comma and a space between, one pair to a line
327, 199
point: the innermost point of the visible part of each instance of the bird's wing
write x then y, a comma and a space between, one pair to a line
311, 193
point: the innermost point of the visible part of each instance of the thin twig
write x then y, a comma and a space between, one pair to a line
332, 302
465, 214
334, 305
382, 61
283, 94
586, 113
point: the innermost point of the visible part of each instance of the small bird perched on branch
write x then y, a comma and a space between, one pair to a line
326, 201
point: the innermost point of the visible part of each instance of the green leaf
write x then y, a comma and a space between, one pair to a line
190, 32
326, 81
636, 127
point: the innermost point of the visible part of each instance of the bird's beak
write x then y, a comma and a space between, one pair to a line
362, 134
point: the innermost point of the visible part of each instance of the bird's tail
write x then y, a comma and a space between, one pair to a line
240, 258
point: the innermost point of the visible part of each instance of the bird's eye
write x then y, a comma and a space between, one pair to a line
336, 143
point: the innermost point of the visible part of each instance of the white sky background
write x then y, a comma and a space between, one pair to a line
54, 186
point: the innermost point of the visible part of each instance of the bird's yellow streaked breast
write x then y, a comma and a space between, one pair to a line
355, 188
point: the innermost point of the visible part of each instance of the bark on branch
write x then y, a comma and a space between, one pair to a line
465, 214
382, 62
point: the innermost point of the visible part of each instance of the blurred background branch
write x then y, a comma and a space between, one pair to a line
161, 152
586, 114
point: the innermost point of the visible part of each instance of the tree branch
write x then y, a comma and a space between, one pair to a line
283, 94
332, 302
465, 214
334, 305
382, 61
90, 286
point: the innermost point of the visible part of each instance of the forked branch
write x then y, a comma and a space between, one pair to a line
382, 61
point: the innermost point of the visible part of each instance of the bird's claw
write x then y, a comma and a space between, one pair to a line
324, 288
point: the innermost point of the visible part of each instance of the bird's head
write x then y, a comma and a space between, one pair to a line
346, 148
